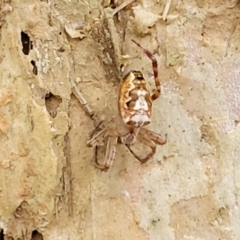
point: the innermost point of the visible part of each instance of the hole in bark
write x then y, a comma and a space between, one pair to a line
35, 71
52, 103
36, 235
111, 4
61, 49
26, 43
1, 235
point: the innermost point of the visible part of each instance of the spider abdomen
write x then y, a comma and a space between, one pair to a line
135, 104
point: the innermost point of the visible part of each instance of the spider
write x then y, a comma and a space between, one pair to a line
135, 109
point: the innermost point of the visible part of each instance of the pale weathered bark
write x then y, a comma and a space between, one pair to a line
49, 188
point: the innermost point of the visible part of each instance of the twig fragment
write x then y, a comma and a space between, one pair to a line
123, 5
166, 9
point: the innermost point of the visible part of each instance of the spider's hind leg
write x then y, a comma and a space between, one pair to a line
150, 139
98, 138
156, 137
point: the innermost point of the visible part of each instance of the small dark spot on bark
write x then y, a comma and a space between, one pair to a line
36, 235
52, 103
1, 235
35, 71
26, 43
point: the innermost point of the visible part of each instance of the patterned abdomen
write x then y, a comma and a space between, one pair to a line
134, 100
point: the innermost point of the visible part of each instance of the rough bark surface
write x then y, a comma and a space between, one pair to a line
49, 187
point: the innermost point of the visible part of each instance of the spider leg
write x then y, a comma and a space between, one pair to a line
156, 137
150, 139
98, 138
157, 92
110, 150
147, 141
129, 138
96, 129
83, 101
109, 155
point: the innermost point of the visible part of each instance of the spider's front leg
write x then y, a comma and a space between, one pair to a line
111, 147
150, 139
109, 155
97, 139
83, 101
157, 92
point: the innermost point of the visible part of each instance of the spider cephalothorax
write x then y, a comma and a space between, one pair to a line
135, 108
